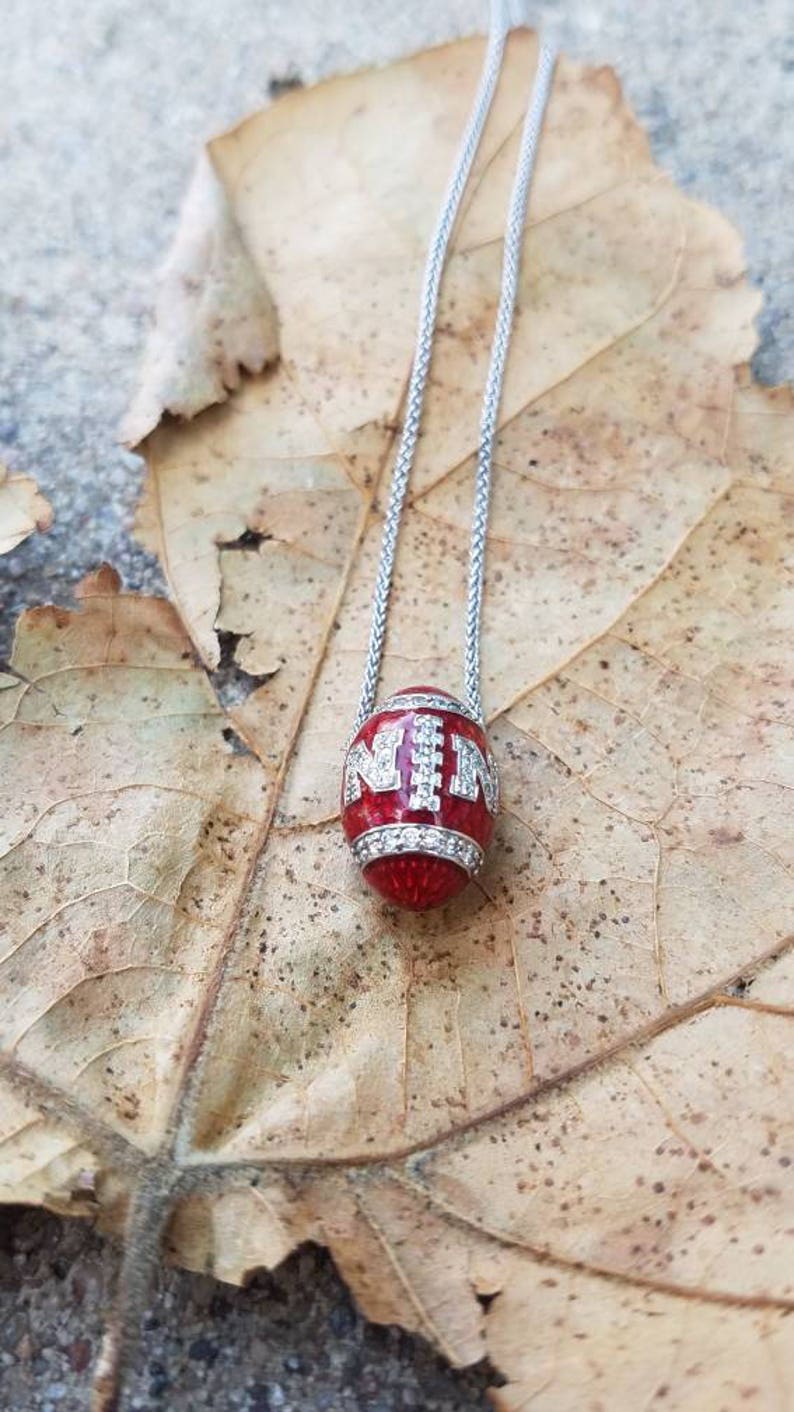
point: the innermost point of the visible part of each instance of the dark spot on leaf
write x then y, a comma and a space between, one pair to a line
249, 539
284, 83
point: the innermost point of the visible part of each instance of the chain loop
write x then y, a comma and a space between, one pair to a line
511, 266
431, 284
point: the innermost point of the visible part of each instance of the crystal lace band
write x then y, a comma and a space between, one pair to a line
426, 701
389, 839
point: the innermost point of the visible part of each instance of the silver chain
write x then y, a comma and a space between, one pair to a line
511, 262
428, 309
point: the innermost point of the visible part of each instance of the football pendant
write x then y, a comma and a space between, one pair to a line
420, 794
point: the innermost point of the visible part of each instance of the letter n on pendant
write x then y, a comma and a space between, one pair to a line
473, 773
377, 767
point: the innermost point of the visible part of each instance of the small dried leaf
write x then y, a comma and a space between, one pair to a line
214, 317
23, 509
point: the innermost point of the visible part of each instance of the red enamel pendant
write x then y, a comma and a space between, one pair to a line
419, 797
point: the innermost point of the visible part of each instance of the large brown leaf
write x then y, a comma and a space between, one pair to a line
569, 1089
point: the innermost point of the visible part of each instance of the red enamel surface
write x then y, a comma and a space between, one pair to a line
416, 881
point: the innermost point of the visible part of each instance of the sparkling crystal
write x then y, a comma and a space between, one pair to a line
414, 860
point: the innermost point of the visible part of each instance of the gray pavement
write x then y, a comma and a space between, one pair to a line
105, 103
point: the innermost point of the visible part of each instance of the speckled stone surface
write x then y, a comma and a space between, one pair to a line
105, 104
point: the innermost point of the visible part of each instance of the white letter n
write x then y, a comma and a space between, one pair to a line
474, 773
377, 767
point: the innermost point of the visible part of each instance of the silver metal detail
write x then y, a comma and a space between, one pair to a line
378, 766
436, 258
426, 759
427, 701
493, 769
391, 839
474, 772
511, 265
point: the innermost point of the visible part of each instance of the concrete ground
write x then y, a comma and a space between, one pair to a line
105, 104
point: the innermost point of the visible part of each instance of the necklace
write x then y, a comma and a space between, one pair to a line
420, 790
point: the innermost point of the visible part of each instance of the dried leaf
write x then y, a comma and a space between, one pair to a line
548, 1124
23, 509
214, 317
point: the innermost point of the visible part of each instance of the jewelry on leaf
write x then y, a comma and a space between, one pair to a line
420, 787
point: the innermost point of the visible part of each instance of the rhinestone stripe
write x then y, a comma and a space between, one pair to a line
389, 839
427, 759
427, 701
